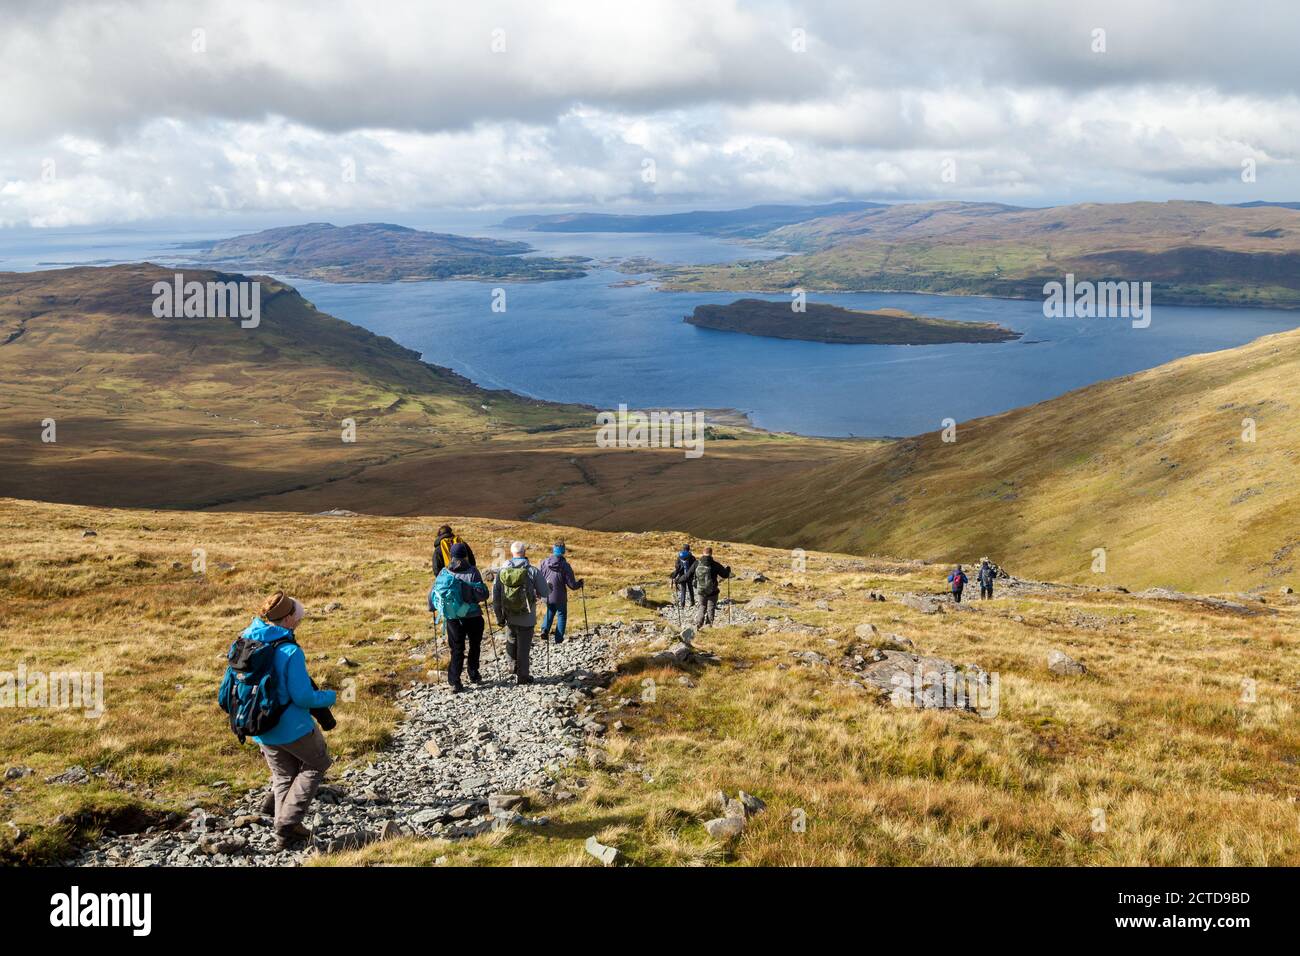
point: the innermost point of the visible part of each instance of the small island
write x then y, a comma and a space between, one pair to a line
840, 326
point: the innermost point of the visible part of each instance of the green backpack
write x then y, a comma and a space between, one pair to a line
705, 583
514, 590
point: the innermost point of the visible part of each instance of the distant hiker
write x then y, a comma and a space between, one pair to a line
958, 581
559, 581
706, 575
515, 592
455, 596
267, 691
985, 576
683, 576
442, 546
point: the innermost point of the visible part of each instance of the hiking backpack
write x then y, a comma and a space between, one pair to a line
514, 590
250, 691
704, 581
444, 545
447, 597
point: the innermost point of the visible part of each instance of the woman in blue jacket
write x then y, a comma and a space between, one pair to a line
294, 748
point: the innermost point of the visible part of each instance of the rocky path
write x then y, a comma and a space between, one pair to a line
454, 768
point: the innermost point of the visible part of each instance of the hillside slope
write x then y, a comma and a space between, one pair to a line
201, 413
1157, 736
1152, 467
1193, 253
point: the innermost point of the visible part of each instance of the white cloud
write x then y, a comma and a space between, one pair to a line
138, 125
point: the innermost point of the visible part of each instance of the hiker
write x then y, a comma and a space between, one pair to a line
958, 581
455, 596
294, 747
985, 576
515, 592
706, 575
559, 581
683, 576
442, 546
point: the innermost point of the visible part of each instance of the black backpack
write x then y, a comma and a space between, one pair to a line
250, 691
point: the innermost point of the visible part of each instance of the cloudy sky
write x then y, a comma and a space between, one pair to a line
119, 112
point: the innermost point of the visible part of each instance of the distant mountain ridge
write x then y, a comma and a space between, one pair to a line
740, 223
1193, 253
383, 252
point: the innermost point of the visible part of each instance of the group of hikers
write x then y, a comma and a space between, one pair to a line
984, 576
459, 594
271, 698
695, 582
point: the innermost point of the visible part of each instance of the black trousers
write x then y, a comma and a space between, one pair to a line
685, 589
956, 595
463, 633
986, 591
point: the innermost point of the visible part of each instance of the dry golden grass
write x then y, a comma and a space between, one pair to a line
1158, 736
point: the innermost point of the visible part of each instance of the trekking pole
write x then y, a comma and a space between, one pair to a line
437, 630
492, 635
586, 627
728, 601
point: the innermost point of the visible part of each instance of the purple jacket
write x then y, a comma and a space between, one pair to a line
559, 577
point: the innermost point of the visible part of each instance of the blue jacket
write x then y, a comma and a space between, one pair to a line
295, 686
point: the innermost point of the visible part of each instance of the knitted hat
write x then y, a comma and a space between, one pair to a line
460, 551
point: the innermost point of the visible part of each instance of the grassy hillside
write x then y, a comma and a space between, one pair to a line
1157, 736
201, 413
1152, 467
1192, 252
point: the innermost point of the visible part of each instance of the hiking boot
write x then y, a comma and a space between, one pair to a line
457, 688
267, 809
523, 680
559, 639
287, 836
475, 678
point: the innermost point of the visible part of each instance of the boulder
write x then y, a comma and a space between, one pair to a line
73, 775
607, 855
866, 631
727, 828
635, 595
751, 803
1058, 662
391, 830
501, 802
924, 603
679, 653
916, 680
